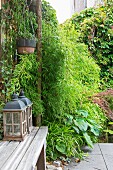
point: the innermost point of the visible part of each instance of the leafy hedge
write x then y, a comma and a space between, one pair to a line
96, 28
70, 77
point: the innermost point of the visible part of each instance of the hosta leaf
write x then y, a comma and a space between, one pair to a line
81, 124
88, 139
95, 131
76, 129
69, 118
61, 148
83, 113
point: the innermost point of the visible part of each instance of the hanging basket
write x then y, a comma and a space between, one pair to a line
25, 46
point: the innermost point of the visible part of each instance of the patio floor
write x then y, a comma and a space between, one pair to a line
100, 158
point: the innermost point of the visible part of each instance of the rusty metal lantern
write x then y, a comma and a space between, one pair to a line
28, 104
14, 119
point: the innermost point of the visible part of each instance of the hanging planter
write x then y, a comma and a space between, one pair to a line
26, 46
26, 32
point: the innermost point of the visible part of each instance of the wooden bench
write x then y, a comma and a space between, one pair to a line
29, 154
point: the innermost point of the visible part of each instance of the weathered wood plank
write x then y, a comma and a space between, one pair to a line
3, 143
31, 156
6, 152
18, 154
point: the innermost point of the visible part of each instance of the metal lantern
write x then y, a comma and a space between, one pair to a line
28, 104
14, 119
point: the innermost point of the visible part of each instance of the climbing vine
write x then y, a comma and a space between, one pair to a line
96, 28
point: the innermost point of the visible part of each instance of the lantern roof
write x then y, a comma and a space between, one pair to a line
15, 104
24, 99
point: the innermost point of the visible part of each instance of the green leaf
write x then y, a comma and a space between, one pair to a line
110, 123
54, 155
83, 113
61, 147
69, 118
95, 131
81, 124
88, 139
109, 131
76, 129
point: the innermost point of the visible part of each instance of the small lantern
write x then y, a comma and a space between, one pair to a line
28, 104
14, 119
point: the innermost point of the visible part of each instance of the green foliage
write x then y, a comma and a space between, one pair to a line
59, 142
109, 99
67, 77
24, 21
1, 119
95, 26
109, 132
25, 76
85, 125
16, 21
80, 71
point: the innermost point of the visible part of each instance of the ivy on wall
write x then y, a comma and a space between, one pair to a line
96, 28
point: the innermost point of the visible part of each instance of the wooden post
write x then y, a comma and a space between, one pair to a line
0, 53
41, 163
37, 119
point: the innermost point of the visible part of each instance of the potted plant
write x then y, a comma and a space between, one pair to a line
26, 40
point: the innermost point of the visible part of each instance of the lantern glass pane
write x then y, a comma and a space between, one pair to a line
30, 122
8, 118
23, 116
16, 130
23, 128
29, 111
16, 118
8, 129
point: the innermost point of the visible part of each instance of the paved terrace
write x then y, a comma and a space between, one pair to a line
100, 158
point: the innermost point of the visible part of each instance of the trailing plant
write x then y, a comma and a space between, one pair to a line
16, 21
24, 21
25, 76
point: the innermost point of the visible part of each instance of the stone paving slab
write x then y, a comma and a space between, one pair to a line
109, 161
95, 151
100, 158
93, 162
107, 152
106, 148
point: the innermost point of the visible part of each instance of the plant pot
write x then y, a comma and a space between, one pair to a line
32, 5
25, 46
